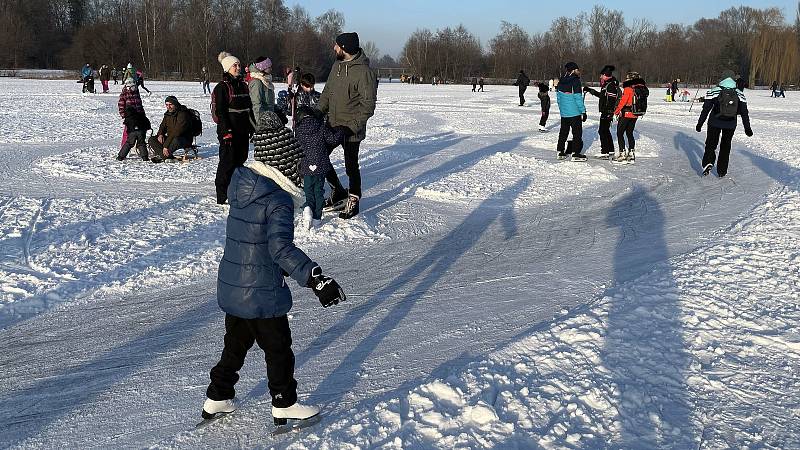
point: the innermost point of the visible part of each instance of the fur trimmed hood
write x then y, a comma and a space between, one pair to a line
298, 197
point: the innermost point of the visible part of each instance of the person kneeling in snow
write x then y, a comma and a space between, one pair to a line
251, 290
175, 131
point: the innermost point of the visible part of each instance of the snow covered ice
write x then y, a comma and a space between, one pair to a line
497, 297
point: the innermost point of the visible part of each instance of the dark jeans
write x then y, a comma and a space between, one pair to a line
604, 131
314, 188
543, 120
158, 147
351, 169
232, 154
625, 128
206, 87
522, 90
567, 124
275, 338
137, 139
712, 139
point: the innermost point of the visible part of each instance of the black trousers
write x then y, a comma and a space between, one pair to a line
567, 124
158, 148
522, 90
135, 138
625, 128
543, 120
712, 139
232, 154
275, 338
604, 131
351, 169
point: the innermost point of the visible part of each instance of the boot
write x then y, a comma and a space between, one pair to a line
351, 208
213, 407
336, 202
296, 412
631, 156
307, 217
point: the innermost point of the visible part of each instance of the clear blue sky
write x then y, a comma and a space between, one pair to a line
389, 23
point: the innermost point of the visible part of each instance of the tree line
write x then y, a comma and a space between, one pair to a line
178, 37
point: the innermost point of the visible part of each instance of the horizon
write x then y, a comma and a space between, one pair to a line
391, 32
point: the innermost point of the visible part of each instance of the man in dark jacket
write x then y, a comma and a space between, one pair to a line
252, 291
522, 83
175, 131
722, 122
609, 96
349, 100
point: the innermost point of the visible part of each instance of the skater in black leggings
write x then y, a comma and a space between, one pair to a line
627, 118
625, 128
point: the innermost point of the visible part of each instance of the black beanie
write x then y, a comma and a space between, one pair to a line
348, 42
172, 99
608, 70
571, 66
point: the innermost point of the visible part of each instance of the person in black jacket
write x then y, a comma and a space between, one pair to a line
722, 123
174, 132
136, 125
522, 83
234, 113
609, 96
544, 99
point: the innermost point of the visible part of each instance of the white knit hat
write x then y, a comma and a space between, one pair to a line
227, 60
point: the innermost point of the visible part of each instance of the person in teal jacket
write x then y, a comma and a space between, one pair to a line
569, 95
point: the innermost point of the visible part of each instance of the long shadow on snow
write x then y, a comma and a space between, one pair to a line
423, 275
25, 309
644, 350
693, 149
405, 190
777, 170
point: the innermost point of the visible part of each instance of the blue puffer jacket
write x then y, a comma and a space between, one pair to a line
259, 248
569, 96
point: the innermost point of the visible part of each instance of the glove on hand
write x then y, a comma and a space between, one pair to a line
583, 117
325, 288
748, 132
699, 128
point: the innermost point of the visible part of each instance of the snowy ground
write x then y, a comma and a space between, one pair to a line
497, 297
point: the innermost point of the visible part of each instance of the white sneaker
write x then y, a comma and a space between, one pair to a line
296, 412
213, 407
307, 215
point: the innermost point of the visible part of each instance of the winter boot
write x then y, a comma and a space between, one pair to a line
631, 156
351, 208
542, 129
579, 157
561, 155
307, 217
707, 169
336, 202
295, 412
213, 407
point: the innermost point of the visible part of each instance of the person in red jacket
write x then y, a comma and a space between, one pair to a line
626, 119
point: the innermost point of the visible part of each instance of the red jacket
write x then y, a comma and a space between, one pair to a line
626, 102
129, 97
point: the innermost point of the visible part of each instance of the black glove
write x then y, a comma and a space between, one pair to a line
699, 127
325, 288
748, 132
583, 117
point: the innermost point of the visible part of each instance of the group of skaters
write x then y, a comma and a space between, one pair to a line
106, 74
722, 105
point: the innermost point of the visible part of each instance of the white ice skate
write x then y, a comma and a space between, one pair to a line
542, 129
295, 412
213, 408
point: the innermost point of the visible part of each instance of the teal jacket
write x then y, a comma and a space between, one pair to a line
569, 95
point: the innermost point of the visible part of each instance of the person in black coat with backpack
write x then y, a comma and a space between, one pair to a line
609, 95
522, 83
721, 106
232, 109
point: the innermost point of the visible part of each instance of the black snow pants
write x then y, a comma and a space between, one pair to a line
232, 154
576, 125
137, 139
522, 90
545, 115
604, 131
712, 139
351, 169
275, 338
625, 128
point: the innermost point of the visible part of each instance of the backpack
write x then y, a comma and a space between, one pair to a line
639, 103
728, 104
214, 115
196, 125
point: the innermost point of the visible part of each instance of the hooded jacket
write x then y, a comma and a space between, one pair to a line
259, 247
349, 95
626, 102
262, 92
711, 108
136, 120
129, 97
609, 96
315, 138
175, 124
569, 95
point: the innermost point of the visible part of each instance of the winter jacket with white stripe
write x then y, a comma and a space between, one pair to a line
711, 108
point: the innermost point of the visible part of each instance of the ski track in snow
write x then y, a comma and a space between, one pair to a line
497, 297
